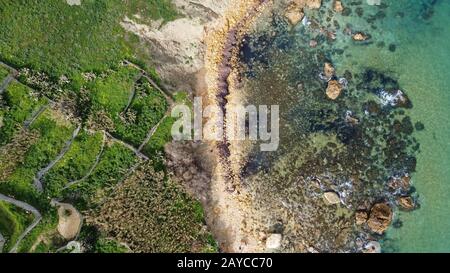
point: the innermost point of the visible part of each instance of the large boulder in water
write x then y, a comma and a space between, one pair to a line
406, 202
380, 218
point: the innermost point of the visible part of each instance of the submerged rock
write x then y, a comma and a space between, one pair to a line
360, 37
380, 218
400, 183
328, 70
338, 7
334, 89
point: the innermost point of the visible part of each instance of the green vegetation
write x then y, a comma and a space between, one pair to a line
75, 164
3, 73
154, 9
53, 132
111, 93
68, 40
163, 134
77, 51
17, 105
47, 225
114, 164
153, 214
128, 107
147, 109
13, 222
104, 245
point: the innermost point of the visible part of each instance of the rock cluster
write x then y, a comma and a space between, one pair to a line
380, 218
361, 217
294, 12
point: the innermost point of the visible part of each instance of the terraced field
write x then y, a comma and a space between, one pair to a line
80, 113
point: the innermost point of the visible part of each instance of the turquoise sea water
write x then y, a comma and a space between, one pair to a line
421, 62
410, 42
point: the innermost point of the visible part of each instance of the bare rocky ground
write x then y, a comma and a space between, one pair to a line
179, 55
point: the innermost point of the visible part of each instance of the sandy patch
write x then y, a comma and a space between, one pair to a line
70, 221
179, 55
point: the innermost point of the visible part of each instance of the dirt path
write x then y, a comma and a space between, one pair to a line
38, 179
27, 207
129, 146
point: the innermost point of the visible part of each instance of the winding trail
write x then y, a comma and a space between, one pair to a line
34, 116
38, 179
129, 146
27, 207
132, 94
167, 94
6, 83
91, 170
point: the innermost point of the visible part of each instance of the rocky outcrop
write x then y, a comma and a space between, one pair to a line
406, 202
400, 183
380, 218
331, 198
361, 217
334, 89
294, 11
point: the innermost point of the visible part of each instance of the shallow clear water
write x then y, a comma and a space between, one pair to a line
416, 52
421, 63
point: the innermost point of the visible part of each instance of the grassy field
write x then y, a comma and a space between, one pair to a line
68, 40
114, 164
17, 105
73, 55
146, 110
163, 135
3, 73
53, 132
130, 107
75, 164
13, 222
111, 93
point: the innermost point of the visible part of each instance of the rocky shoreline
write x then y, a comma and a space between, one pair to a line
235, 214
